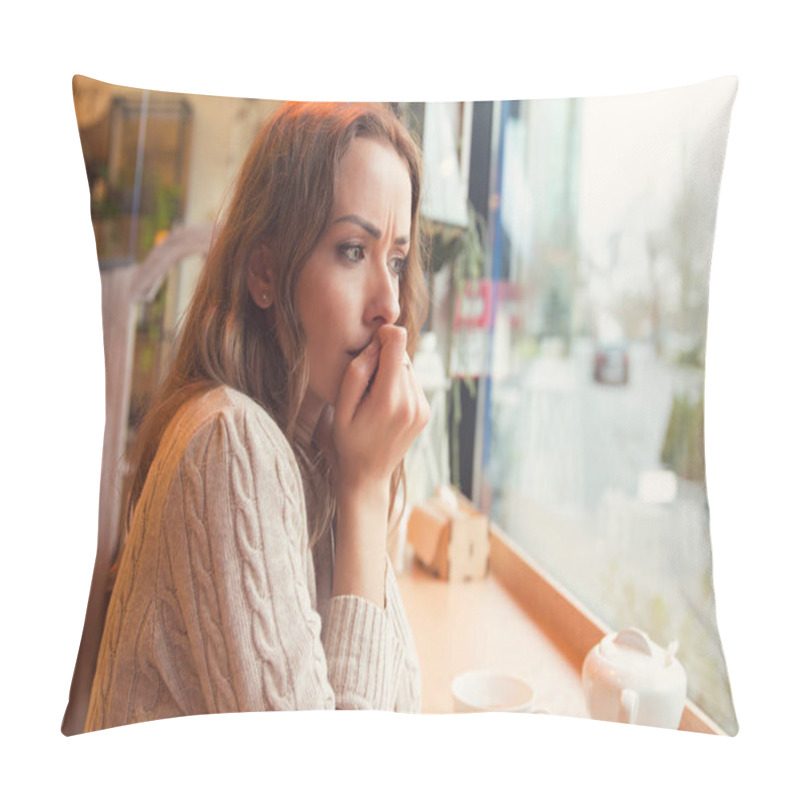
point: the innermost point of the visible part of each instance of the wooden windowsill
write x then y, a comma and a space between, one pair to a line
516, 620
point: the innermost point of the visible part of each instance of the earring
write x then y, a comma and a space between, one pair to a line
266, 299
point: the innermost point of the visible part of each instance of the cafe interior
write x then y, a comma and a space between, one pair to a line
534, 554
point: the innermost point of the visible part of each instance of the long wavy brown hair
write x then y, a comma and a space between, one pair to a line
283, 196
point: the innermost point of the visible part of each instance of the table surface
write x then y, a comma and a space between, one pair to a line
478, 624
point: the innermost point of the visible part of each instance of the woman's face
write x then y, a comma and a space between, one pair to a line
350, 285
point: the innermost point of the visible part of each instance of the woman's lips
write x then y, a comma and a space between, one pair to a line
358, 351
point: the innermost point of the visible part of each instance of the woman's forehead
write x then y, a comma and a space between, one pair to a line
372, 175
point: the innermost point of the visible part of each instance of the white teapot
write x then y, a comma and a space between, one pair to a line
628, 678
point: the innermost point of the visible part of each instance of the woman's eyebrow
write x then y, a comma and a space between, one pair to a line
368, 227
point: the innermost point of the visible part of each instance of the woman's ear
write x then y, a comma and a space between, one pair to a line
259, 276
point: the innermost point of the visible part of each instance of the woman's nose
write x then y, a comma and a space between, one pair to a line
383, 305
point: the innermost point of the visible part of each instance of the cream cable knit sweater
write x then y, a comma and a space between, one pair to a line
220, 605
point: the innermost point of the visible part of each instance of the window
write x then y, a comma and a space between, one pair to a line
592, 438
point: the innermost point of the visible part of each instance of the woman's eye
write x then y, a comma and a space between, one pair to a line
352, 252
398, 265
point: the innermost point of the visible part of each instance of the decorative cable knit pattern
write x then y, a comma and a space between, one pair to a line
194, 483
219, 605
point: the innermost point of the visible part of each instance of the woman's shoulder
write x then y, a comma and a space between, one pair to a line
223, 404
232, 419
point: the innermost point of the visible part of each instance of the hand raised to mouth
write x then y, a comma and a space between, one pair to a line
380, 409
368, 358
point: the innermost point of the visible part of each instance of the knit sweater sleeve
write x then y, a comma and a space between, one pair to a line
256, 637
351, 624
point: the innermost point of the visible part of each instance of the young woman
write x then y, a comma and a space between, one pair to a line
254, 574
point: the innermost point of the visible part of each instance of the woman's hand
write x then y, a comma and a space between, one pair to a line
380, 409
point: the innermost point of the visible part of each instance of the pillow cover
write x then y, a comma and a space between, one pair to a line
563, 356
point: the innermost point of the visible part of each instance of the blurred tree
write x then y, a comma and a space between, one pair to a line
683, 448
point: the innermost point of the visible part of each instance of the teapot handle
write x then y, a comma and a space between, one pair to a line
628, 706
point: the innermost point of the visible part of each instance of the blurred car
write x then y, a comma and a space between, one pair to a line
611, 363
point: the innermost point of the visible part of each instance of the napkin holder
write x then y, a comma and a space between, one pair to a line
452, 543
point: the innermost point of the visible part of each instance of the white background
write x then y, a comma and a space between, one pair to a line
53, 385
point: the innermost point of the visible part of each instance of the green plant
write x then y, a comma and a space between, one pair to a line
165, 212
462, 251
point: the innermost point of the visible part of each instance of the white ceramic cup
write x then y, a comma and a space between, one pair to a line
487, 690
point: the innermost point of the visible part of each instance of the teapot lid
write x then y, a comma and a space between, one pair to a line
633, 648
